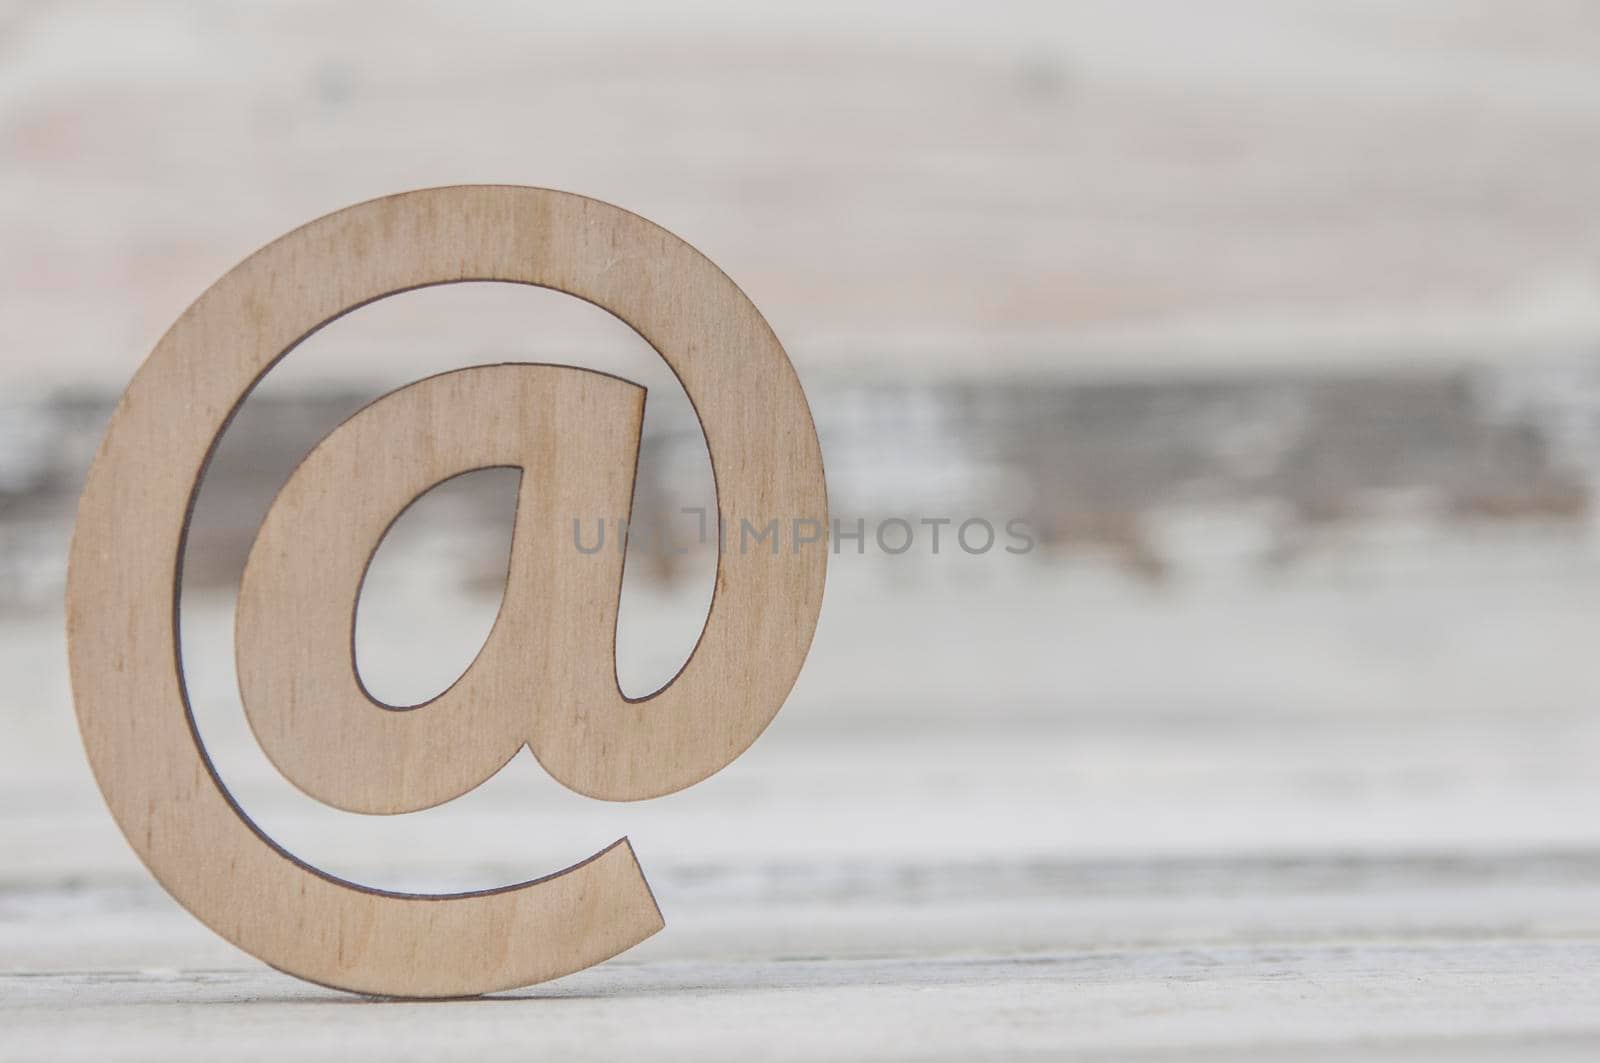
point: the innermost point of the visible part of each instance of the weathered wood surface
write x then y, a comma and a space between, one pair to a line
1053, 183
1354, 819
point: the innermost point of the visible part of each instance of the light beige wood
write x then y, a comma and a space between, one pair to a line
545, 676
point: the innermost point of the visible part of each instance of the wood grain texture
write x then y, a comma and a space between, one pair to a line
126, 666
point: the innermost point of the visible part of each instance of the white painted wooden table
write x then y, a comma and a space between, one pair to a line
1337, 817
